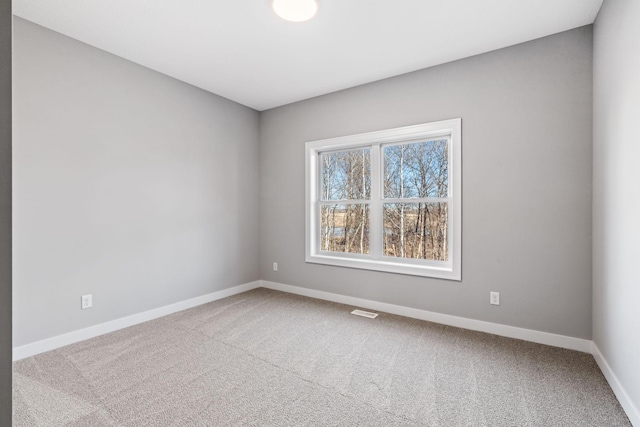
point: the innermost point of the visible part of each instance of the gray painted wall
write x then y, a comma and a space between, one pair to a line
129, 185
5, 213
527, 131
616, 187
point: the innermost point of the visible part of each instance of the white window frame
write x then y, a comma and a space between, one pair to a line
450, 269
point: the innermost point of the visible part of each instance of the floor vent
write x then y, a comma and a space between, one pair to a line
363, 313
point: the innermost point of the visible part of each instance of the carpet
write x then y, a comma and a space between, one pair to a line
267, 358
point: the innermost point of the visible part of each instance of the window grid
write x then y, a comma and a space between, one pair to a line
376, 259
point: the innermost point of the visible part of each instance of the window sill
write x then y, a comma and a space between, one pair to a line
447, 272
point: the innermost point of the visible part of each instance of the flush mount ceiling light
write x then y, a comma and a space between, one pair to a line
295, 10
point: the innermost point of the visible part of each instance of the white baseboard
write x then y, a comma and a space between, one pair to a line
555, 340
460, 322
625, 401
124, 322
562, 341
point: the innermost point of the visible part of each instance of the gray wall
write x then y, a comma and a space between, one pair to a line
5, 212
129, 185
616, 191
527, 126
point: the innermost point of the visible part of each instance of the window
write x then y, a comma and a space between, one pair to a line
387, 201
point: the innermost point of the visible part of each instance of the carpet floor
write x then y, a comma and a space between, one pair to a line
266, 358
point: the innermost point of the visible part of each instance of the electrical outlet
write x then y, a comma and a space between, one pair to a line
494, 298
87, 301
275, 266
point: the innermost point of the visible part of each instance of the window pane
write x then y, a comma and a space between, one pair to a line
345, 228
346, 175
416, 170
416, 230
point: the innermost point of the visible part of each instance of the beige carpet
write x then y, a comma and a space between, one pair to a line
265, 358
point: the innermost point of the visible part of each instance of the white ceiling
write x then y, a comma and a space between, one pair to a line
241, 50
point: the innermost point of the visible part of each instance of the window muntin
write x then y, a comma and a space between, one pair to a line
387, 200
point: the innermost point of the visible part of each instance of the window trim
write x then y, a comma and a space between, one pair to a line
376, 260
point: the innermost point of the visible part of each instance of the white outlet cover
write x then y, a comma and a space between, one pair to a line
87, 301
494, 298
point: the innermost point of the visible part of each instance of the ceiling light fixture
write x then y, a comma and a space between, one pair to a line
295, 10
